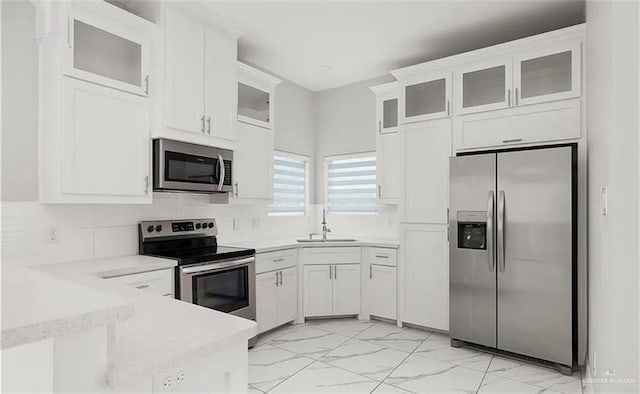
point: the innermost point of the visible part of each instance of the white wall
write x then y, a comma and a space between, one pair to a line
19, 102
345, 122
612, 72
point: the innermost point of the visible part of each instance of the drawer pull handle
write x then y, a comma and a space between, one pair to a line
277, 260
513, 140
380, 256
167, 295
142, 287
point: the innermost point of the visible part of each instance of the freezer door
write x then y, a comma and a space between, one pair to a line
472, 273
534, 249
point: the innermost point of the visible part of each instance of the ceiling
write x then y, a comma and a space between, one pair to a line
359, 40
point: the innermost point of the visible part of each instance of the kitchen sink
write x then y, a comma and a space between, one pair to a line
327, 240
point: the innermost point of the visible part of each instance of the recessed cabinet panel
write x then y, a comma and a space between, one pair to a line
105, 140
390, 113
425, 98
548, 74
105, 45
483, 87
425, 154
545, 75
99, 52
253, 103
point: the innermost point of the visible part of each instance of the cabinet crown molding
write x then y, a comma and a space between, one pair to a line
246, 71
507, 48
385, 88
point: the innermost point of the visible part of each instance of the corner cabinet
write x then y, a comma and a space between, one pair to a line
199, 82
387, 143
253, 156
94, 104
331, 281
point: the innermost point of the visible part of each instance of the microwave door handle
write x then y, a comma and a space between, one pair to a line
222, 172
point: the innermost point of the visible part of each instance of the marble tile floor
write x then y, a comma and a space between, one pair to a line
347, 355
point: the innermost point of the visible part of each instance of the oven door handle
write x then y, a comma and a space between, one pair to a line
222, 172
217, 266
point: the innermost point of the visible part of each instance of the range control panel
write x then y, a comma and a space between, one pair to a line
167, 228
472, 230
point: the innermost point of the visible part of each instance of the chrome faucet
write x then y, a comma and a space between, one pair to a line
325, 229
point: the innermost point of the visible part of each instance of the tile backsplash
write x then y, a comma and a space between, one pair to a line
34, 233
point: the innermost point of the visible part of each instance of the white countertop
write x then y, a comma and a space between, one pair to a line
37, 306
163, 333
269, 245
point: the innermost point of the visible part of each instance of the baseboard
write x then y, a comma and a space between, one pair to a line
587, 378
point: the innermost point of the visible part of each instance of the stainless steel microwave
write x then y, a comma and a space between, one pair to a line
180, 166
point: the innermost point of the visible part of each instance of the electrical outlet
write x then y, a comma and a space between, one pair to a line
603, 201
169, 384
255, 223
180, 377
53, 235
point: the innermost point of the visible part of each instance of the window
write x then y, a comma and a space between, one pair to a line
351, 183
289, 184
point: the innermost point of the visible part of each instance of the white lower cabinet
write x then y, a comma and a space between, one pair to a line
383, 296
158, 282
424, 263
346, 289
331, 290
318, 290
276, 293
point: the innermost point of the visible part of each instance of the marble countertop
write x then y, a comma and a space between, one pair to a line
37, 306
162, 333
269, 245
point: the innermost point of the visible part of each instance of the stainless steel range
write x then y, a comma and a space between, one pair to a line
209, 275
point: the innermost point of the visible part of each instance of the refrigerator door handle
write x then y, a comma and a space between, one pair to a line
501, 256
490, 214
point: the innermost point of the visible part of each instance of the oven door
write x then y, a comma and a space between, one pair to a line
180, 166
226, 286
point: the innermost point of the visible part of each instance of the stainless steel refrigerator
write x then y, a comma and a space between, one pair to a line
512, 252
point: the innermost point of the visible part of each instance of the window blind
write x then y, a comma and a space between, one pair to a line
289, 185
351, 184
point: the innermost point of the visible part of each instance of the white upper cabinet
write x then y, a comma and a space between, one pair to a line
108, 46
426, 148
253, 156
200, 81
184, 73
483, 86
548, 74
428, 97
387, 143
104, 145
386, 107
255, 96
220, 75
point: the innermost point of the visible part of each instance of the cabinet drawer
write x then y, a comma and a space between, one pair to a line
277, 260
383, 256
558, 120
158, 282
328, 255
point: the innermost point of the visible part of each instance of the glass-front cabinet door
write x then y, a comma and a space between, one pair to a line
428, 99
110, 51
483, 86
253, 105
547, 74
388, 123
